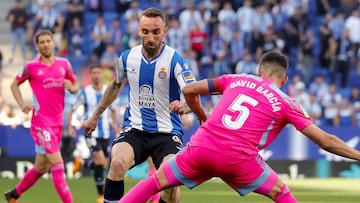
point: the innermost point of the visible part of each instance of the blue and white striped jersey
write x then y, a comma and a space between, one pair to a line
153, 86
90, 98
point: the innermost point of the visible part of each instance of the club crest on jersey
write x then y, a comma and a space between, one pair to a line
62, 70
162, 74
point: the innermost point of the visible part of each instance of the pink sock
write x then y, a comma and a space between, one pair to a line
285, 196
155, 197
58, 178
146, 188
30, 178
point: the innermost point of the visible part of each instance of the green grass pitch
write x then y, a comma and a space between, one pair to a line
306, 191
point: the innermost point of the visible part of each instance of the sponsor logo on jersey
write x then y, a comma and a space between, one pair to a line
146, 97
162, 74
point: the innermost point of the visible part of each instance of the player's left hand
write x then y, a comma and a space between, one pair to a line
178, 107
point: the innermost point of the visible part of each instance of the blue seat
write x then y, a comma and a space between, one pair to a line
109, 17
108, 5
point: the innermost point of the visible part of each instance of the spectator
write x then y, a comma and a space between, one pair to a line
177, 38
217, 43
96, 6
237, 49
227, 22
18, 18
76, 34
211, 19
280, 16
190, 18
133, 12
122, 5
296, 26
75, 9
100, 35
221, 64
346, 115
262, 19
245, 16
306, 55
314, 110
291, 88
247, 65
132, 17
354, 99
352, 23
337, 24
301, 96
107, 61
198, 41
342, 61
8, 116
331, 103
46, 17
319, 87
116, 35
325, 35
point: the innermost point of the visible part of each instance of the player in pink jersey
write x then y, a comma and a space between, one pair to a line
249, 116
48, 76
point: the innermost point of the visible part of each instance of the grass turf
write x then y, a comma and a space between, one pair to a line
307, 191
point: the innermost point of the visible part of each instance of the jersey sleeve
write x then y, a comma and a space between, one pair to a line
120, 67
80, 100
297, 115
183, 73
70, 75
23, 75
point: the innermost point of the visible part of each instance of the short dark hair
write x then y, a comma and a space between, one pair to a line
153, 12
41, 33
95, 65
275, 57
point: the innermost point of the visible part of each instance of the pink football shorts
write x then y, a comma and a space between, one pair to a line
47, 139
194, 165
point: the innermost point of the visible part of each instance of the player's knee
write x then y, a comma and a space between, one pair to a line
119, 165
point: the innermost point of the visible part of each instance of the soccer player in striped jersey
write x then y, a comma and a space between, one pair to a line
152, 126
49, 76
98, 142
249, 116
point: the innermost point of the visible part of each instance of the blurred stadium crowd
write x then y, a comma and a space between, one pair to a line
321, 38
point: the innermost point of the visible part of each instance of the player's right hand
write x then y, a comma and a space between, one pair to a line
90, 125
26, 108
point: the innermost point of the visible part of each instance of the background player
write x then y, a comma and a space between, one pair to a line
98, 143
249, 116
48, 76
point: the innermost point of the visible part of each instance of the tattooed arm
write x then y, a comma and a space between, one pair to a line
111, 93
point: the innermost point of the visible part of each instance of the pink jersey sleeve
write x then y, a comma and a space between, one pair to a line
24, 75
70, 75
296, 115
